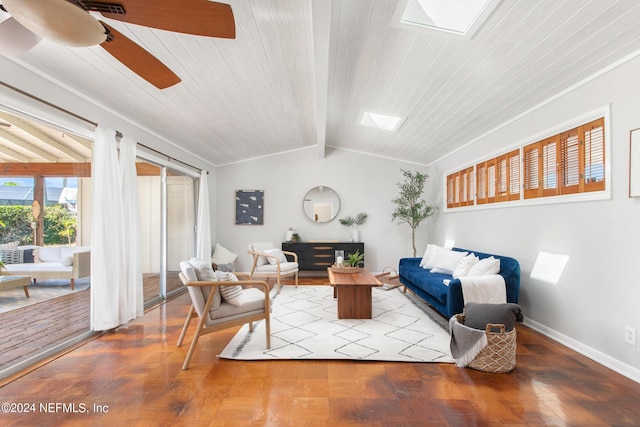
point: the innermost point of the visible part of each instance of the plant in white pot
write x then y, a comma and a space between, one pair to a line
354, 223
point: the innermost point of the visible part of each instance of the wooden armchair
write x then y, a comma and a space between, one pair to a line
222, 304
272, 262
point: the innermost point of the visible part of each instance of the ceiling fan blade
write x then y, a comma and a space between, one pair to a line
138, 60
197, 17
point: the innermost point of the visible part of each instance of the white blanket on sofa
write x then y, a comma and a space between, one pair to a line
489, 289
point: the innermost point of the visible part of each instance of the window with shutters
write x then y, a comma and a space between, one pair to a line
570, 162
460, 188
498, 179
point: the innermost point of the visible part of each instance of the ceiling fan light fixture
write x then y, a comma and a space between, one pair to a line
15, 39
57, 20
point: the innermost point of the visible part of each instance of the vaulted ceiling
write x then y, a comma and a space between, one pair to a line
300, 72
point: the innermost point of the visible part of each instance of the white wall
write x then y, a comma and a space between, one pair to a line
599, 291
363, 183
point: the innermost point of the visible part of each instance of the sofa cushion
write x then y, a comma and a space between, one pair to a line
67, 261
465, 265
39, 267
429, 256
48, 253
431, 283
485, 266
446, 261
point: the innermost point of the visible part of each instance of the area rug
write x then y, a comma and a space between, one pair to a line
44, 290
304, 325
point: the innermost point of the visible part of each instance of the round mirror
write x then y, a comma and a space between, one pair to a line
321, 204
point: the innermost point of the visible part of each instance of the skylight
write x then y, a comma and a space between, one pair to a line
381, 121
462, 17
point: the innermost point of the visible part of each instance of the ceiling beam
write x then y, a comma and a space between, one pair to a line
321, 18
13, 154
80, 170
36, 133
80, 140
36, 151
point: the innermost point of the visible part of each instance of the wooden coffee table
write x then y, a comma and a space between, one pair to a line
353, 291
11, 282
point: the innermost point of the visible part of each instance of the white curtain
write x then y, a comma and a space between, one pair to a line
203, 237
116, 279
131, 297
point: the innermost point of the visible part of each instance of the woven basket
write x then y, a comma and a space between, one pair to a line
389, 277
499, 355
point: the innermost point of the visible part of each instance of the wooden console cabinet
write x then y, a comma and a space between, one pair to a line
320, 255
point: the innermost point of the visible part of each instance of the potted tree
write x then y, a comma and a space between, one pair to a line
411, 208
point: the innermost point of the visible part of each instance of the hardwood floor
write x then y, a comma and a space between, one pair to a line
133, 376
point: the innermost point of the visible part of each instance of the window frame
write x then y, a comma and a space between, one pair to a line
598, 190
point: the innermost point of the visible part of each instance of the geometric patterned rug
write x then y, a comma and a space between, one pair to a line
304, 325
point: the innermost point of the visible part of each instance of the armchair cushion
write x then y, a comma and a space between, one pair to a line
252, 301
284, 267
278, 254
204, 273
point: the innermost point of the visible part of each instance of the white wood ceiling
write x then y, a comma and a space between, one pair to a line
274, 88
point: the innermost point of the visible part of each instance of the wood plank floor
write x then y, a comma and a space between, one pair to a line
133, 376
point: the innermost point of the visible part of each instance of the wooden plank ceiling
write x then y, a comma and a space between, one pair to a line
300, 72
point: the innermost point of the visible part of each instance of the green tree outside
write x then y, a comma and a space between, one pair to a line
59, 225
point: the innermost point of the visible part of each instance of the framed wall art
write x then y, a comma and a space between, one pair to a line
249, 207
634, 163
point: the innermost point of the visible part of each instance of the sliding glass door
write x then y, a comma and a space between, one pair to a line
167, 206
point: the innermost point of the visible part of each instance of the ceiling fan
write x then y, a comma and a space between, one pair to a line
72, 23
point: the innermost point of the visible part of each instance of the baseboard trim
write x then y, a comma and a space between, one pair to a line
593, 354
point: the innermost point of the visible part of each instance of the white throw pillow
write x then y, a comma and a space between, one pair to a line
277, 253
429, 256
231, 294
447, 261
465, 265
485, 266
261, 247
66, 261
222, 255
49, 253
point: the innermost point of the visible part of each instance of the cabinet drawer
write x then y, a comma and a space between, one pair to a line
319, 256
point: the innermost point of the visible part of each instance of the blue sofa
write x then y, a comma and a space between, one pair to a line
448, 300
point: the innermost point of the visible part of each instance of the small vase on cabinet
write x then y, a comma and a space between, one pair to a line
355, 235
